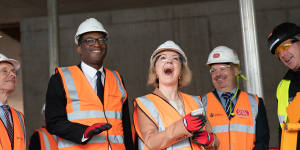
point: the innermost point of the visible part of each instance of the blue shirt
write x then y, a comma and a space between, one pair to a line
223, 101
2, 115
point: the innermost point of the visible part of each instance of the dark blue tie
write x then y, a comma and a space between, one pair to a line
228, 103
100, 88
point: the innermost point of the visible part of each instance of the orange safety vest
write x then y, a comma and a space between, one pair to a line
47, 140
85, 107
163, 115
239, 132
19, 132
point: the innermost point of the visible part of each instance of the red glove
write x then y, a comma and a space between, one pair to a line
194, 123
96, 129
204, 138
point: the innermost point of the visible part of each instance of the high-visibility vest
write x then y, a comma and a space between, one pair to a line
19, 132
282, 95
163, 115
239, 132
47, 140
85, 107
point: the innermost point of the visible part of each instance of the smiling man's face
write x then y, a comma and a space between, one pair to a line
291, 56
92, 54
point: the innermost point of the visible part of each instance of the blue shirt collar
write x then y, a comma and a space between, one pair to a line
2, 104
220, 93
222, 99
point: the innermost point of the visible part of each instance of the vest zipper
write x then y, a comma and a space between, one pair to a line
229, 135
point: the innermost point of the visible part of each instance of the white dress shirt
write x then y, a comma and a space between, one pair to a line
90, 74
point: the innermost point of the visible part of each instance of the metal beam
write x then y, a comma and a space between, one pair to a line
252, 62
53, 35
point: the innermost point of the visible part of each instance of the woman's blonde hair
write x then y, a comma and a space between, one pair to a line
184, 78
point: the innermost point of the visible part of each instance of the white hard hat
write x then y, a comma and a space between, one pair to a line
15, 63
169, 45
223, 54
89, 25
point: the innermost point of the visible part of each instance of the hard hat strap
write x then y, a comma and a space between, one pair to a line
237, 89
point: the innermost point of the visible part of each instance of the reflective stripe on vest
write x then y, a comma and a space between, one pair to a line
282, 95
153, 111
71, 88
150, 105
22, 125
48, 143
46, 140
241, 127
19, 132
234, 127
94, 114
95, 139
121, 88
111, 113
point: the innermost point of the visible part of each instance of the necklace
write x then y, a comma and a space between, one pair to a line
178, 105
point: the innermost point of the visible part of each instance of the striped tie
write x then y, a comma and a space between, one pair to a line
228, 103
9, 127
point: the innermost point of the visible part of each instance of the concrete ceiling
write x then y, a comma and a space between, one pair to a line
12, 11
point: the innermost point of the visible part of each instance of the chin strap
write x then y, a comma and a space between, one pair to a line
237, 88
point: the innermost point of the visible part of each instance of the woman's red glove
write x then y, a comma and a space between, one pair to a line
194, 123
204, 138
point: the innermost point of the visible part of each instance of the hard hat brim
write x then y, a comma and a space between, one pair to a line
167, 49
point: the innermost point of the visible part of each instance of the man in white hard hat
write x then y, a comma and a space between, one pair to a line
86, 104
237, 118
12, 127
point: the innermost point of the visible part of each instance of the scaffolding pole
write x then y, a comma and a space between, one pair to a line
53, 35
252, 63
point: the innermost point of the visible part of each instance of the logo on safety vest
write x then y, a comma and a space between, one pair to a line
215, 115
242, 113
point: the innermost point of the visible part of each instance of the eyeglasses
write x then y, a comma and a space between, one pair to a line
7, 72
164, 58
221, 68
92, 41
285, 46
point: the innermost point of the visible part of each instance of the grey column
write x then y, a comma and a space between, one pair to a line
53, 35
252, 63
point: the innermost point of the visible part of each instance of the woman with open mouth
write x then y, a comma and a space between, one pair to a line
168, 118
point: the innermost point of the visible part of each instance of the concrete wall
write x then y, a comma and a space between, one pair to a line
135, 33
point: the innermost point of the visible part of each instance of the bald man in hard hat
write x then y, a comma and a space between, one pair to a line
86, 104
237, 118
284, 42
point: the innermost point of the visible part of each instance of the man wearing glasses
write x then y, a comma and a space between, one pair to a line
237, 118
12, 128
86, 104
284, 43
